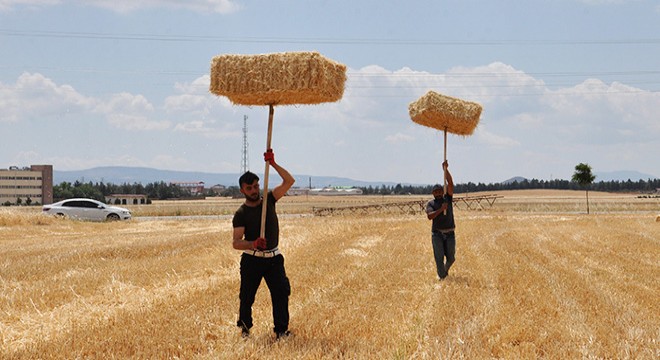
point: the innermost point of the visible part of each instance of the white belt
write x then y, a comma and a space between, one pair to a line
264, 254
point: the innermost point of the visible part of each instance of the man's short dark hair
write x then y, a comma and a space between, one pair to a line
247, 178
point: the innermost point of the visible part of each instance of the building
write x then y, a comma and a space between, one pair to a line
34, 183
195, 187
217, 189
126, 199
336, 191
297, 191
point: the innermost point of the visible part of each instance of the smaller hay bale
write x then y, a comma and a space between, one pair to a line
445, 112
277, 78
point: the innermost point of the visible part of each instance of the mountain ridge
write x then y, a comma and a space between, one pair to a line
144, 175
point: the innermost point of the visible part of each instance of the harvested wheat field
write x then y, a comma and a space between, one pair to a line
525, 285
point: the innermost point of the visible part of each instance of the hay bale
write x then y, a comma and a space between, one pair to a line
277, 78
444, 112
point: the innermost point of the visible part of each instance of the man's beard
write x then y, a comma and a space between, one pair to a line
255, 197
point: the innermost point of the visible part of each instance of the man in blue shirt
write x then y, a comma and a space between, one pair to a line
441, 211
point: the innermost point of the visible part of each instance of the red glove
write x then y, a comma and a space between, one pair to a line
259, 244
269, 156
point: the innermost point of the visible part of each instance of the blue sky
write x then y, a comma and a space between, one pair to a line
101, 83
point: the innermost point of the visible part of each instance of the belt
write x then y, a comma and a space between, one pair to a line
443, 231
264, 254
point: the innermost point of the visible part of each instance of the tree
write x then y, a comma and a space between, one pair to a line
583, 177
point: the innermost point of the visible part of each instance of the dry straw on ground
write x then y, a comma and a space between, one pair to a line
525, 285
278, 78
442, 112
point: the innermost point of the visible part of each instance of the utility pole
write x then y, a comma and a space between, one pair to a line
245, 165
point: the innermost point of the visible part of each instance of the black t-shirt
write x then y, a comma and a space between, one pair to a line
442, 221
249, 217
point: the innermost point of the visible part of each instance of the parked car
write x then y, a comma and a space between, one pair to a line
86, 209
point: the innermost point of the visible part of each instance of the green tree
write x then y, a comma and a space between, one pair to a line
583, 177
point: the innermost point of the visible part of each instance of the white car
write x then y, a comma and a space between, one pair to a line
86, 209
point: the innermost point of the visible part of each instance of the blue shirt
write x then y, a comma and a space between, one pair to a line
443, 221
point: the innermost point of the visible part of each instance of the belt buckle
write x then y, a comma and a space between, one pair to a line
270, 253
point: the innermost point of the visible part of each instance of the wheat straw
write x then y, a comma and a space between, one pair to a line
444, 112
278, 78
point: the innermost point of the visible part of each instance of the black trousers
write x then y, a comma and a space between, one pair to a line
253, 269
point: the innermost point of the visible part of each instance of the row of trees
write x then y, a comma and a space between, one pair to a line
641, 186
99, 190
161, 190
581, 180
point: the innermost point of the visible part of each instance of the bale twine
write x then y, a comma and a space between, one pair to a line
444, 112
277, 78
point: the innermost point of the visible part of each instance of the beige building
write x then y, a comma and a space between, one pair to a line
126, 199
34, 183
195, 187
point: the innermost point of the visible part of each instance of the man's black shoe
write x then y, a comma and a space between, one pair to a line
245, 333
283, 335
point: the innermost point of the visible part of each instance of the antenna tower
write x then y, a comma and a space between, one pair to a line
245, 165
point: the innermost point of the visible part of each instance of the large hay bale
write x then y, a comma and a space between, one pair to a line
445, 112
277, 78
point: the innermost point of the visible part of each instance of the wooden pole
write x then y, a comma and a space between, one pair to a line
443, 168
265, 193
444, 175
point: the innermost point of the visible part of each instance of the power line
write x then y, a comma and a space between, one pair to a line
321, 40
352, 74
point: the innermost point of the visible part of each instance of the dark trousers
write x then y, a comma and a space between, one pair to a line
253, 269
444, 246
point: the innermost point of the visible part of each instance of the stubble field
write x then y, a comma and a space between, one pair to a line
535, 277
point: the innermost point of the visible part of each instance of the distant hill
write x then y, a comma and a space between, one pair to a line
123, 174
514, 179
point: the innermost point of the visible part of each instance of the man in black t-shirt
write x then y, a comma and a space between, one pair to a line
441, 211
261, 257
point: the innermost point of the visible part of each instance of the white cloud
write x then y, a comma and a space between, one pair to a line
204, 129
126, 6
8, 5
528, 121
595, 111
187, 103
131, 112
199, 86
36, 96
136, 122
524, 123
399, 138
494, 140
125, 102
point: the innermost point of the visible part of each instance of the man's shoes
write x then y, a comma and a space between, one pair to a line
245, 333
283, 335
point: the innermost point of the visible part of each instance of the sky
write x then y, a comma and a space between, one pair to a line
96, 83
